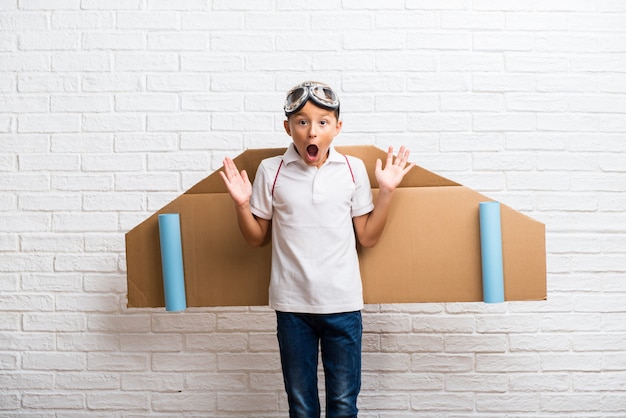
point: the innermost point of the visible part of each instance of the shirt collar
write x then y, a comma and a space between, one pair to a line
291, 155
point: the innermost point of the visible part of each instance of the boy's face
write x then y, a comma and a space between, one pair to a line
312, 130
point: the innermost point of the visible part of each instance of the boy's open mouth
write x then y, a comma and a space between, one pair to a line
312, 151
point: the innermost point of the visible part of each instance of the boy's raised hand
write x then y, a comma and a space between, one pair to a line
238, 184
390, 177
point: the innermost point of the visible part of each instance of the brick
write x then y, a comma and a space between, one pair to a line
134, 142
48, 123
186, 5
169, 362
42, 242
161, 343
51, 282
82, 20
72, 183
146, 182
9, 401
120, 323
473, 20
403, 19
105, 283
34, 41
85, 342
147, 20
178, 122
113, 202
113, 40
147, 61
391, 402
54, 361
253, 402
54, 322
8, 361
504, 122
23, 104
74, 222
81, 61
188, 323
474, 343
87, 303
34, 162
86, 381
23, 21
20, 341
499, 403
442, 402
114, 122
539, 343
472, 102
112, 162
247, 361
83, 143
154, 382
53, 401
196, 161
507, 363
26, 263
103, 82
125, 362
80, 103
146, 102
411, 343
25, 222
121, 401
507, 323
219, 342
174, 41
214, 102
214, 20
184, 401
386, 362
27, 381
221, 381
492, 383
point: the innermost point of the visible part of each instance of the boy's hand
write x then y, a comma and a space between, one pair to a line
390, 177
238, 184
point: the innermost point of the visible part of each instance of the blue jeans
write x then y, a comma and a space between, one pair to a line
339, 336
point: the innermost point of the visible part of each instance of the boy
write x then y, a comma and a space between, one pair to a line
316, 200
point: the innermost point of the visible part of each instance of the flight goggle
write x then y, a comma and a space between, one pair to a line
321, 94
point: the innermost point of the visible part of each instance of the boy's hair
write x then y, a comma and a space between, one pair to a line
320, 94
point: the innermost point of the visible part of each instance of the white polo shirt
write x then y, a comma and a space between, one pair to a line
315, 267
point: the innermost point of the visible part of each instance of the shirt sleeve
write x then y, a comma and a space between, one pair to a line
362, 201
261, 199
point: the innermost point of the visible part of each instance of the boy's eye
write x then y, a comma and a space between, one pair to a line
323, 122
302, 122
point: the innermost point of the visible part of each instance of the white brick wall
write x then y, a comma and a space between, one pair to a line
110, 109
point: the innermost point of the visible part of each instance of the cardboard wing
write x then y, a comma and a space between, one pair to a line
429, 250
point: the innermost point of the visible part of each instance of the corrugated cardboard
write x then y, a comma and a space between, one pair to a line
429, 251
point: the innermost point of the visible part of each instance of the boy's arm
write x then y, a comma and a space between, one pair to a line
370, 226
253, 228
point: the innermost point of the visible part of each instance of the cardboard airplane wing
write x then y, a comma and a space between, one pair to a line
430, 249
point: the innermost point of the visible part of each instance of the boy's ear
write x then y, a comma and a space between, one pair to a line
339, 125
287, 128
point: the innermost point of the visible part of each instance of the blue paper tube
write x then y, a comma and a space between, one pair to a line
172, 262
491, 252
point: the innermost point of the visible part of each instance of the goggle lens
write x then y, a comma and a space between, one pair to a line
321, 94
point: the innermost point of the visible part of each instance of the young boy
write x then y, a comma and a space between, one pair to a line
316, 200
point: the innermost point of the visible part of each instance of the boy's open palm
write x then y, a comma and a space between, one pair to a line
390, 177
238, 184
